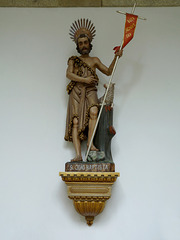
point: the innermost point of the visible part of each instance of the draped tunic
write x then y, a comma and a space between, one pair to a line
82, 97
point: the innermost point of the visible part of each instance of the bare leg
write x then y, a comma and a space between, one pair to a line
76, 141
92, 123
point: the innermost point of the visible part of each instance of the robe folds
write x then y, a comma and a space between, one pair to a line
82, 97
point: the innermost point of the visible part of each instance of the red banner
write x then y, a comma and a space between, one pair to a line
129, 30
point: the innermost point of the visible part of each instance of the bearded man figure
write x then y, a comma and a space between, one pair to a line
83, 104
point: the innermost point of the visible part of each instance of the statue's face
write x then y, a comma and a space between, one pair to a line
84, 47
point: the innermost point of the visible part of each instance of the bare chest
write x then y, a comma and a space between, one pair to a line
90, 62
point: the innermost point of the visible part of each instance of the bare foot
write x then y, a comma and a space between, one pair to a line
93, 148
77, 159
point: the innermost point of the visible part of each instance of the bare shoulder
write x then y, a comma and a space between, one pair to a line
70, 67
96, 60
70, 62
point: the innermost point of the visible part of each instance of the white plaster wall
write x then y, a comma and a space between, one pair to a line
34, 48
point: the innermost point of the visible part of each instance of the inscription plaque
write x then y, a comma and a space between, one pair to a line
89, 167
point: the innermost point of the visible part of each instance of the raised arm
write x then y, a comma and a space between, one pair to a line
108, 70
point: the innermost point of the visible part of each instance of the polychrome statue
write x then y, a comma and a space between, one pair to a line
83, 105
89, 183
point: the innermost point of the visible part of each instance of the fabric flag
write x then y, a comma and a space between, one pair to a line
129, 30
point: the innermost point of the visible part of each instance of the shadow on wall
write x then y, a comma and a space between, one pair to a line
129, 77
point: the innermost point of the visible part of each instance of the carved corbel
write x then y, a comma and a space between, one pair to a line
89, 191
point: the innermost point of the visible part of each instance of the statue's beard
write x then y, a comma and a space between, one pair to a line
84, 51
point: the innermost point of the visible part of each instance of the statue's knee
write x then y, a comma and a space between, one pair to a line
75, 122
93, 112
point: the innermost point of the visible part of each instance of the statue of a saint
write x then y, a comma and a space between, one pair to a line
83, 103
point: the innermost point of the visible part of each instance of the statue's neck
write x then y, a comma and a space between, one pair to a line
84, 56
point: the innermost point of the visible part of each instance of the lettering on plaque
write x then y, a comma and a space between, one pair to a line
105, 167
89, 167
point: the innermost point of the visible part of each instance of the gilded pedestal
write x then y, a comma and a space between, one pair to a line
89, 191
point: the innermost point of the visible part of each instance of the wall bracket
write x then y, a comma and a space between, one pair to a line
89, 191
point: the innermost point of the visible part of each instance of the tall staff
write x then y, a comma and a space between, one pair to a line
130, 26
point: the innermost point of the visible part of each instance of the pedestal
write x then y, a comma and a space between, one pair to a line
89, 191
